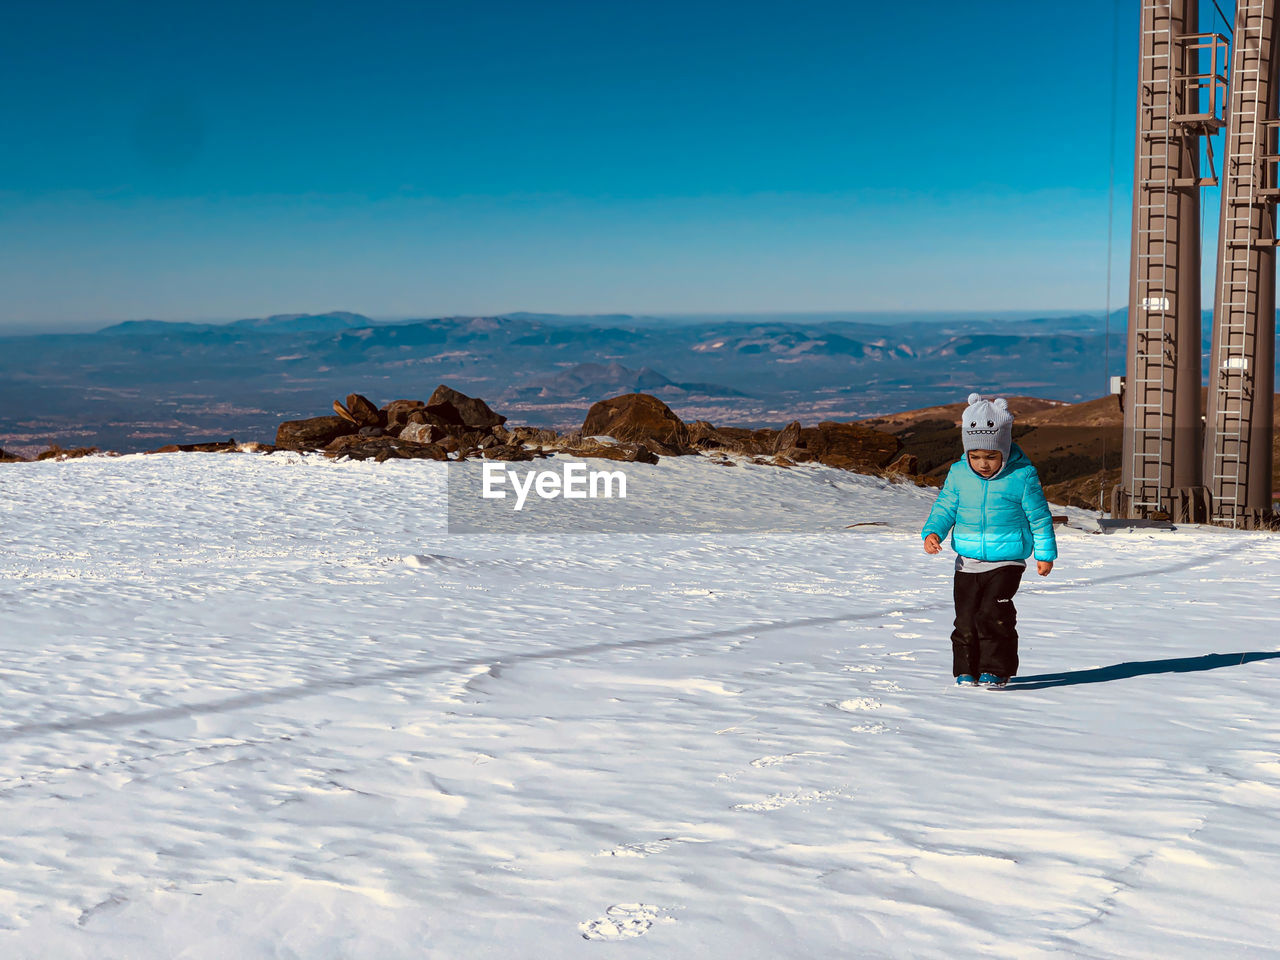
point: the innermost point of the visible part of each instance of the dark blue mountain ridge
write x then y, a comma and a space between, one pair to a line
148, 328
306, 323
139, 384
279, 323
595, 381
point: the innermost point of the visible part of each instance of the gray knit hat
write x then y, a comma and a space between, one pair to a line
987, 425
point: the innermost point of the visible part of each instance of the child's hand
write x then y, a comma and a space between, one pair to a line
932, 543
1043, 567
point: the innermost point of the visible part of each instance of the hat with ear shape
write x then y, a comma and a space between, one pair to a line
987, 425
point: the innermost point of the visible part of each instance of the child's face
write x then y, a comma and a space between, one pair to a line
985, 463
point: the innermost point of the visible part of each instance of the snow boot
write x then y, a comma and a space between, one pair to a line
991, 680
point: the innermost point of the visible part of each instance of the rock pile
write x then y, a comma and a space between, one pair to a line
213, 446
632, 427
639, 418
645, 424
447, 425
56, 452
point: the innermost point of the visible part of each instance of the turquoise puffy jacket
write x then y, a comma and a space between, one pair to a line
1004, 518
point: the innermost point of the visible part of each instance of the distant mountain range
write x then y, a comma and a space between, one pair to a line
281, 323
139, 384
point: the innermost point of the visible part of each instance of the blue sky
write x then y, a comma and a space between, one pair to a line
223, 160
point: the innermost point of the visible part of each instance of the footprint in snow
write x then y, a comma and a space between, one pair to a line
869, 727
623, 921
640, 848
774, 761
645, 848
779, 800
771, 761
856, 704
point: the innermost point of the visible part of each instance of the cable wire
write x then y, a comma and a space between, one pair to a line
1111, 205
1224, 19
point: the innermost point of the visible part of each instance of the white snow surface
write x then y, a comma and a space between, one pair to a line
268, 707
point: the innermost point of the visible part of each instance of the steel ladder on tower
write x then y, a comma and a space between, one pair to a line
1249, 211
1156, 262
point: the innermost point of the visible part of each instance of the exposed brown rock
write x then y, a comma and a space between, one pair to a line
787, 438
704, 436
538, 436
341, 410
463, 443
382, 448
628, 452
507, 451
423, 433
397, 412
754, 442
55, 452
459, 439
907, 463
217, 446
707, 436
364, 412
457, 408
849, 446
312, 434
426, 451
7, 457
642, 418
422, 415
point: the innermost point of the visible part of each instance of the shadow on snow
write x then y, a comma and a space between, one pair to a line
1140, 668
283, 694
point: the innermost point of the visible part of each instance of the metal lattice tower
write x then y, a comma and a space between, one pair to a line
1177, 105
1238, 419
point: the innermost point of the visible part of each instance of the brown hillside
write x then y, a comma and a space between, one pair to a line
1019, 406
1075, 446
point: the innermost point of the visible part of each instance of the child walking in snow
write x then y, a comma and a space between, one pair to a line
996, 513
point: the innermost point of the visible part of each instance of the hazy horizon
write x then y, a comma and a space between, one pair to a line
885, 317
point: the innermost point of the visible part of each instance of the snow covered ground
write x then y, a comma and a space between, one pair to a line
267, 706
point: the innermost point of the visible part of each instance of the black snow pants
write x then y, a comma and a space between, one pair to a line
985, 639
